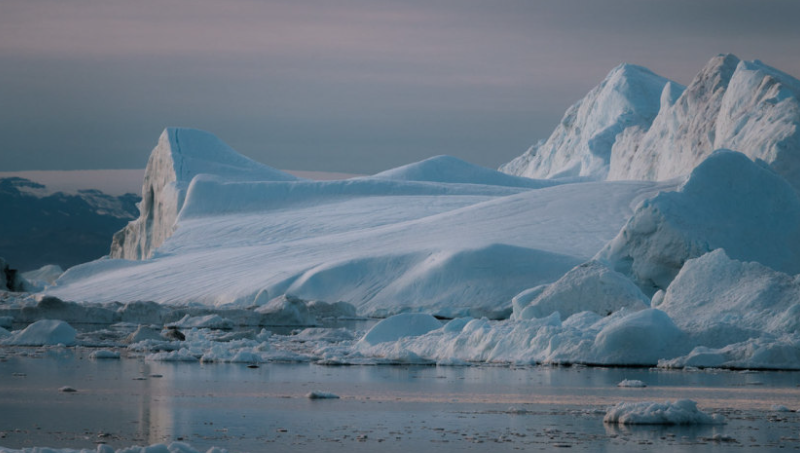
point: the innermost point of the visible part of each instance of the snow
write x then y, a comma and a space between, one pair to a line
41, 333
680, 412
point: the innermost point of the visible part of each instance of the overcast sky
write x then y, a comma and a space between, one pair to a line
351, 86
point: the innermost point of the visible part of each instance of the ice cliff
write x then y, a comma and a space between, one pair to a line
180, 155
636, 125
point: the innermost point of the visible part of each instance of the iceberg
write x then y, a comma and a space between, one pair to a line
665, 230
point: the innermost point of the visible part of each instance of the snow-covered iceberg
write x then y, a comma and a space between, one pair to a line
581, 267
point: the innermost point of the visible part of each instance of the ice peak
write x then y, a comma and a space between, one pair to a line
628, 98
194, 151
715, 74
622, 131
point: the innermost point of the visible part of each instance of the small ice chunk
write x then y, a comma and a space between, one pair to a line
780, 408
104, 354
632, 383
317, 395
680, 412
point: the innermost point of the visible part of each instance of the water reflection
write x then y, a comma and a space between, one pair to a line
405, 407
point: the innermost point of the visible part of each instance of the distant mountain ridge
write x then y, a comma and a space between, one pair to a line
639, 126
38, 228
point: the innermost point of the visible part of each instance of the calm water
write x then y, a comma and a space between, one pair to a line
132, 401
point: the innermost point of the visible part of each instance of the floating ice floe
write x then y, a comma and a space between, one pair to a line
680, 412
632, 383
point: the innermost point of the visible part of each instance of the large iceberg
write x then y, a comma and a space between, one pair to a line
694, 264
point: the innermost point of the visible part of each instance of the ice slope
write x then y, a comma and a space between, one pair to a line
180, 155
386, 252
727, 202
454, 170
384, 245
745, 106
629, 98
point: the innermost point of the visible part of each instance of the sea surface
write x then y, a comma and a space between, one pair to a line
132, 401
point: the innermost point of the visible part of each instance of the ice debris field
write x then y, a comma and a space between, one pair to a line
663, 230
